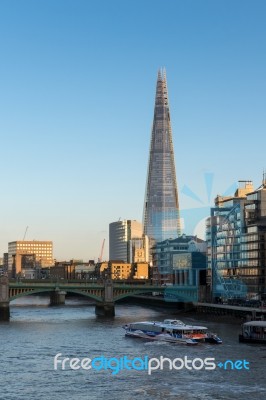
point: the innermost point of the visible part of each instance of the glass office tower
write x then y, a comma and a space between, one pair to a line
161, 208
236, 240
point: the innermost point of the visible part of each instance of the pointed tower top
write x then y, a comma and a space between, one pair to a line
160, 74
164, 73
161, 97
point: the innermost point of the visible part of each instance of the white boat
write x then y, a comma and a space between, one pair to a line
170, 330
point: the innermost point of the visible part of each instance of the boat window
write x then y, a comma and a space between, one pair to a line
147, 327
153, 328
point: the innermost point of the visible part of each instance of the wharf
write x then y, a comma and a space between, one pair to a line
236, 311
219, 310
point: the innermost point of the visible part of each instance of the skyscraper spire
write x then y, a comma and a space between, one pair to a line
161, 207
159, 75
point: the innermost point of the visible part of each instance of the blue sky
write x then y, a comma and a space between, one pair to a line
77, 86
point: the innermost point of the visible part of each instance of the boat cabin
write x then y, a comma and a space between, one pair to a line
198, 332
254, 330
173, 322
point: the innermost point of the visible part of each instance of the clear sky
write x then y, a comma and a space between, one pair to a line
77, 87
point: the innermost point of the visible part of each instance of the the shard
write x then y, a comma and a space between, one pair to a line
161, 218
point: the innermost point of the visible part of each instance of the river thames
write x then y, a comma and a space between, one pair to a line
37, 332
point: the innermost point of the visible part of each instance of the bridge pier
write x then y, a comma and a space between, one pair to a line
57, 297
4, 299
4, 311
105, 309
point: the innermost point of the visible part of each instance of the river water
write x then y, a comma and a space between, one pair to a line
37, 332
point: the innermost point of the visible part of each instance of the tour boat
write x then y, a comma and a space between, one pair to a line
170, 330
253, 332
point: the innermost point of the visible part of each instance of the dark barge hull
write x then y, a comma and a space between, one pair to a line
243, 339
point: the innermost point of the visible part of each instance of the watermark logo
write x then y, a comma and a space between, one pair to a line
199, 204
116, 365
199, 218
234, 365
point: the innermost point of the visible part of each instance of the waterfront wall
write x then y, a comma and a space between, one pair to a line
246, 313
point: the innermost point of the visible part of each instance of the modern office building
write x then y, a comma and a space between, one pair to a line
5, 261
236, 237
161, 218
122, 234
178, 261
26, 255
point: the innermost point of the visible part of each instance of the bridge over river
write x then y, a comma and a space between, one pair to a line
104, 293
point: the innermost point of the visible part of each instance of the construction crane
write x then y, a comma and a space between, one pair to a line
101, 254
25, 232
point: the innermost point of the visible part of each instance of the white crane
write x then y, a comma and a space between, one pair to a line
101, 254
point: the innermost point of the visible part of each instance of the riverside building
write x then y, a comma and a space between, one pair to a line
236, 238
117, 270
26, 255
178, 261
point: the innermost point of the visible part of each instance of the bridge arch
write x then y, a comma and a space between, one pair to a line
27, 292
131, 293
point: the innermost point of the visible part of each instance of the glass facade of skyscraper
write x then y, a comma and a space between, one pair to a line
236, 237
121, 234
161, 208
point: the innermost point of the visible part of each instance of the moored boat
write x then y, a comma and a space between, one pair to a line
170, 330
253, 332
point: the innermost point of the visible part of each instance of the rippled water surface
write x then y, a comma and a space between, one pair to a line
36, 333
